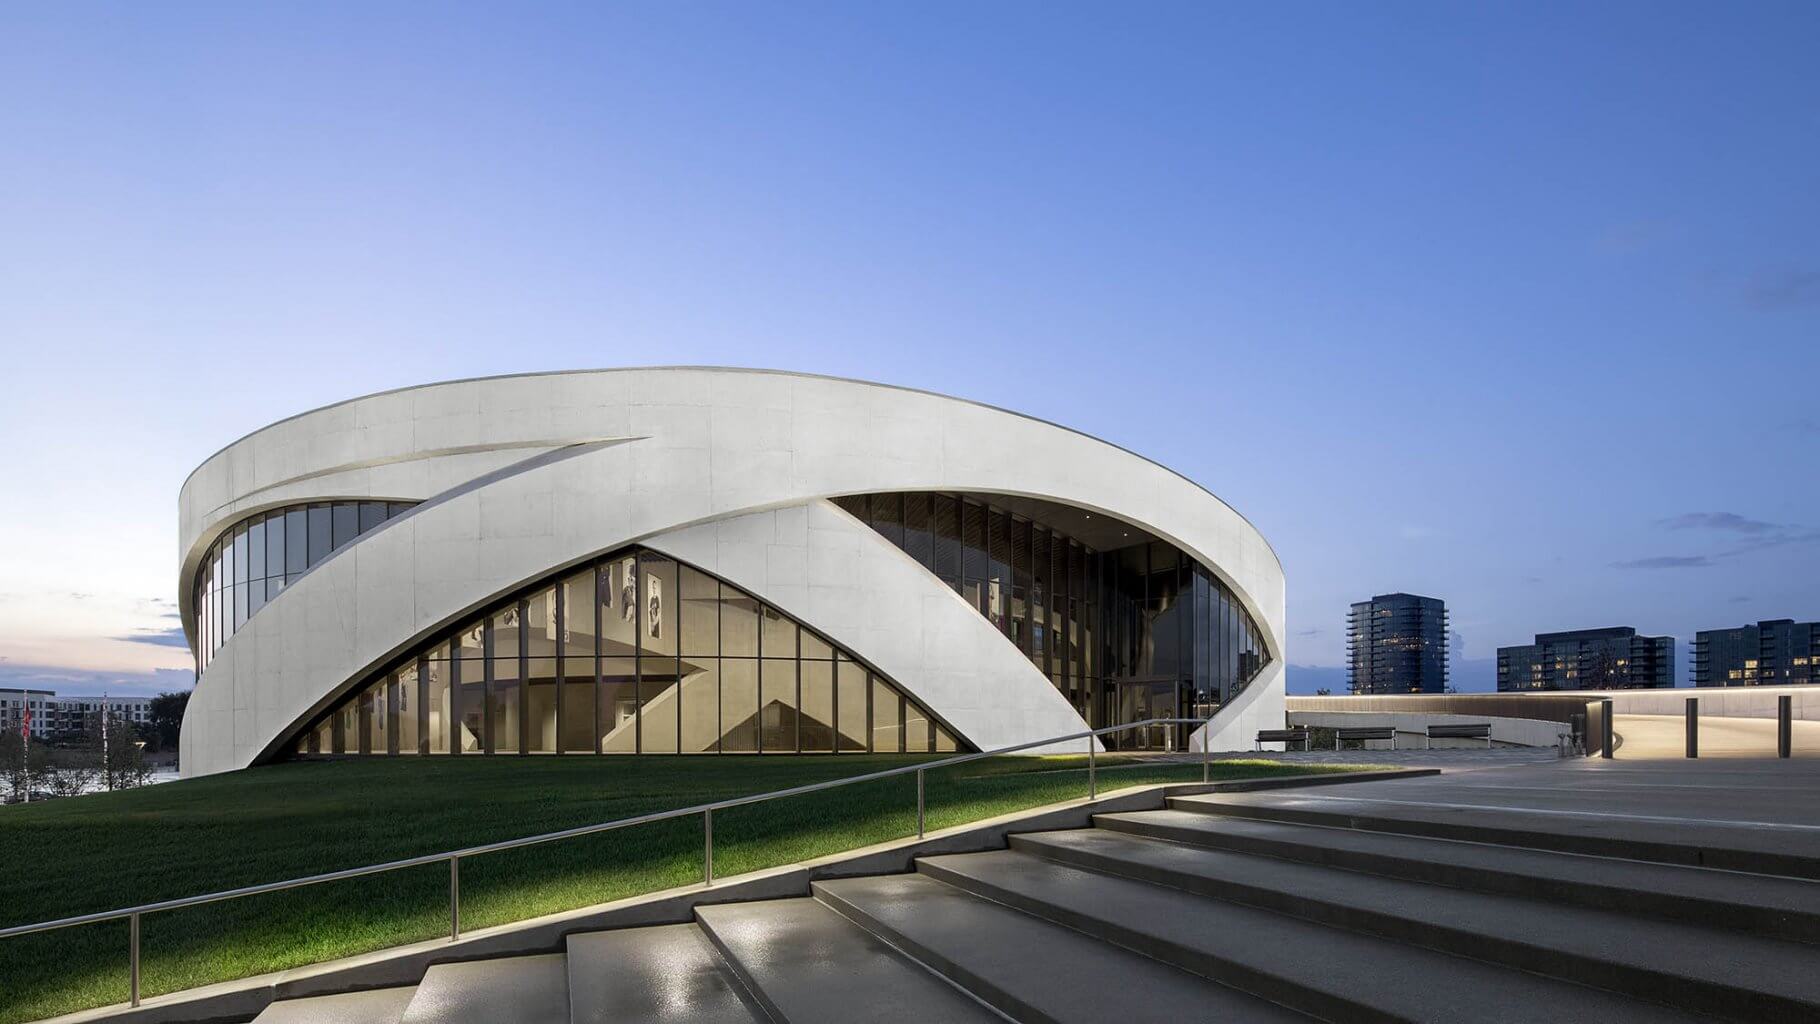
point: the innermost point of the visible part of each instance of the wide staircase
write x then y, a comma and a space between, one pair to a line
1238, 907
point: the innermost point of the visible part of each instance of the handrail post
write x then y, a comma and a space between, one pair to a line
133, 956
1093, 788
454, 898
1693, 727
919, 803
707, 846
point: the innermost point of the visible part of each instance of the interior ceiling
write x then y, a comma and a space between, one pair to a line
1094, 529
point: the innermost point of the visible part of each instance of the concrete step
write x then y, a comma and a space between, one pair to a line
655, 975
1680, 964
1761, 904
1322, 971
804, 964
1031, 969
1769, 848
376, 1006
516, 989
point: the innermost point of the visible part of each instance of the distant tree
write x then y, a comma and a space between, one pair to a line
12, 764
112, 748
1323, 692
72, 772
167, 719
126, 764
24, 768
1598, 671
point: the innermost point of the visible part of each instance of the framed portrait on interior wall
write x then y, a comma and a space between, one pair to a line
654, 606
628, 589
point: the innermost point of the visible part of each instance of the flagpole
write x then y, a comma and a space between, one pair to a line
25, 744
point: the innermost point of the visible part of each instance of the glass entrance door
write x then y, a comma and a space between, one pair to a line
1145, 700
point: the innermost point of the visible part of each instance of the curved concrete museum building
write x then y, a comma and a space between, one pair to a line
701, 561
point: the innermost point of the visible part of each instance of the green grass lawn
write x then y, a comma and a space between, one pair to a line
106, 851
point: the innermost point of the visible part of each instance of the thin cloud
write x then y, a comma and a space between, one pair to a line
1636, 236
1790, 289
1666, 562
172, 637
1731, 522
1308, 632
1748, 535
68, 681
1781, 538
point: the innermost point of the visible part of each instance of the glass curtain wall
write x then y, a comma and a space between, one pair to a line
259, 556
1141, 631
635, 653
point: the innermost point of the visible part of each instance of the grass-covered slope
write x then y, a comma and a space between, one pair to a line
106, 851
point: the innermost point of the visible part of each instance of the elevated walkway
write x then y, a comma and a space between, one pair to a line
1566, 891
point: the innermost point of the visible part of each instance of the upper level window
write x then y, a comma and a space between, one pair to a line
257, 557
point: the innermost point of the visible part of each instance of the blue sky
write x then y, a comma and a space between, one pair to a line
1517, 305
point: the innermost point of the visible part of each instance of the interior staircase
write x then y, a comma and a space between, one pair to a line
1223, 907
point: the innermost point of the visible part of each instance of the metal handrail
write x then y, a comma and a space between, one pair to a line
454, 857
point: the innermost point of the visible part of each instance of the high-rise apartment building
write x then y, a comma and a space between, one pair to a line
1614, 658
1776, 652
1397, 643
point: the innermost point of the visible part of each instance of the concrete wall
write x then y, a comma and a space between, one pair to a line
1236, 726
584, 463
1541, 707
1412, 727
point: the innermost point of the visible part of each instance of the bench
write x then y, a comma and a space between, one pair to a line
1467, 731
1366, 732
1283, 736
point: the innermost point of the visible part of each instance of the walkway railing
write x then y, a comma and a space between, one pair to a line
706, 811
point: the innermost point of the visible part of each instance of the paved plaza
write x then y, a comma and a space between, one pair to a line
1765, 805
